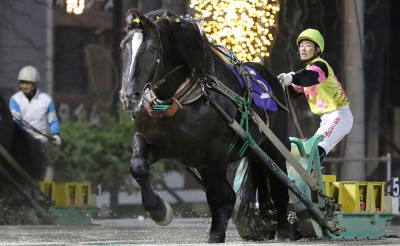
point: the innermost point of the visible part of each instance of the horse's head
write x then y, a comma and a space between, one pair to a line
156, 48
142, 49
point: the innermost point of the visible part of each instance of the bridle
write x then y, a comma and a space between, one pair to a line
158, 78
157, 81
186, 91
159, 60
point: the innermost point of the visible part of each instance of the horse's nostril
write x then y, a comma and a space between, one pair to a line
136, 95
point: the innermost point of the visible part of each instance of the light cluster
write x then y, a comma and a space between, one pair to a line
243, 26
75, 6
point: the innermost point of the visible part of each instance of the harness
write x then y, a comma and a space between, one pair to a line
192, 89
195, 87
188, 92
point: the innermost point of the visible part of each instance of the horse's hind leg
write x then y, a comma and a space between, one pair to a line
221, 199
160, 211
279, 194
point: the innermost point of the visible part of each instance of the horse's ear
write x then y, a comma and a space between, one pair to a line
161, 20
132, 14
134, 23
128, 18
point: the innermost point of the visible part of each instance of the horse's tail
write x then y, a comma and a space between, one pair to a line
29, 153
251, 224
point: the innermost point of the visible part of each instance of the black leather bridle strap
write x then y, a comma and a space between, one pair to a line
155, 85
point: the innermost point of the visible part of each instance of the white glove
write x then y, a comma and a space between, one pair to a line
286, 78
56, 139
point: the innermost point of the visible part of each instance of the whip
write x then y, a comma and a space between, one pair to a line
27, 125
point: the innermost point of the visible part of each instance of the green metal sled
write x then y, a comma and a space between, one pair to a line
359, 208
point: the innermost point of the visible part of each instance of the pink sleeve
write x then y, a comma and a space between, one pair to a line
297, 88
321, 74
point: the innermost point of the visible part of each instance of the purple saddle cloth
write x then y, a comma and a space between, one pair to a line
260, 97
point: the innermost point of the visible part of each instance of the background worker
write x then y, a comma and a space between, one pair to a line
33, 109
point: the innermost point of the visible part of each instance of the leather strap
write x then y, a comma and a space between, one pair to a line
285, 152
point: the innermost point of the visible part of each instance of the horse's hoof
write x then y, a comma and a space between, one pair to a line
284, 232
216, 238
169, 214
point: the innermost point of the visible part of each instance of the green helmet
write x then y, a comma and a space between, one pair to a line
29, 73
312, 35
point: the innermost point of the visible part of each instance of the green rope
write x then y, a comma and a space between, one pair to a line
242, 103
249, 142
244, 120
245, 116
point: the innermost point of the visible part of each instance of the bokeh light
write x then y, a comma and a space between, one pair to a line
243, 26
75, 6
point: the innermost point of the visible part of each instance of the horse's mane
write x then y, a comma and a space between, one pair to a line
187, 40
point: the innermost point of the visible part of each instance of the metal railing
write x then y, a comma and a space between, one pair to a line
387, 158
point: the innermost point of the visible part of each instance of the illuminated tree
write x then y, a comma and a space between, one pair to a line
243, 26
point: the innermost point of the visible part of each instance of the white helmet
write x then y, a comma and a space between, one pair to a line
29, 73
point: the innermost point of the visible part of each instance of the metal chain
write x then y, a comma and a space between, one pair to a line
330, 214
329, 206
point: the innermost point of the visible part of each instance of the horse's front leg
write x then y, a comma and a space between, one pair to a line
159, 210
221, 199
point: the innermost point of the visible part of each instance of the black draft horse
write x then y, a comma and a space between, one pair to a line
166, 60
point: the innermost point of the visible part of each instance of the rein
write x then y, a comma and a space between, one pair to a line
293, 112
159, 82
29, 126
159, 56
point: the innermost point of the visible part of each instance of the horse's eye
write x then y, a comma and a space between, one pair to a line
153, 49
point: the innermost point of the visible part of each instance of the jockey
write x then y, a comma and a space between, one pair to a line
34, 110
324, 93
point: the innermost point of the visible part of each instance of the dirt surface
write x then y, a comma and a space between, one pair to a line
145, 232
